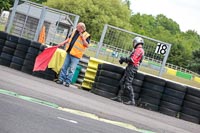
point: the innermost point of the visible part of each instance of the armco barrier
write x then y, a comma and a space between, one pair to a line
184, 75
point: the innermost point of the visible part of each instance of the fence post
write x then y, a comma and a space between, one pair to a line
101, 40
40, 23
10, 22
165, 60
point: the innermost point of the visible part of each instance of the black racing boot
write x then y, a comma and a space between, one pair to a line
131, 102
117, 98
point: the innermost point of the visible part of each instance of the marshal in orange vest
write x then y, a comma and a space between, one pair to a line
78, 49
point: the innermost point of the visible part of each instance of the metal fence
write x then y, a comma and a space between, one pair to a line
116, 42
28, 18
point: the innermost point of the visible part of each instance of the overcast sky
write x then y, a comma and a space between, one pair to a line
184, 12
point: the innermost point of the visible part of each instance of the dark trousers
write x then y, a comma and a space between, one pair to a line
126, 82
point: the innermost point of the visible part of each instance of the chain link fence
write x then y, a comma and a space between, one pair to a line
28, 18
116, 42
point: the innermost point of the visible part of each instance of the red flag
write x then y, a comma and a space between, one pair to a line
43, 59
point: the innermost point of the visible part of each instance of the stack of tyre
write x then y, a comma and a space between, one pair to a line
107, 79
2, 40
172, 99
84, 64
137, 86
6, 52
151, 92
20, 54
190, 110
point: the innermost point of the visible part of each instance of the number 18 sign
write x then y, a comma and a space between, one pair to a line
161, 48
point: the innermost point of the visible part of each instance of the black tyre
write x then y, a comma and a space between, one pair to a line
190, 111
109, 74
2, 42
10, 44
42, 47
31, 57
107, 81
111, 68
176, 86
23, 48
102, 93
174, 93
172, 99
12, 38
148, 99
8, 50
193, 91
27, 69
155, 80
29, 62
105, 87
35, 44
6, 56
136, 89
33, 51
3, 35
192, 98
24, 41
168, 111
15, 66
17, 60
139, 76
4, 62
152, 86
20, 54
170, 106
191, 105
189, 118
151, 93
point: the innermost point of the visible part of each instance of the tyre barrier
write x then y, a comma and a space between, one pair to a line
190, 110
106, 82
20, 54
151, 92
90, 73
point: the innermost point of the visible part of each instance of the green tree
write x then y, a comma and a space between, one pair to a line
195, 62
5, 4
96, 13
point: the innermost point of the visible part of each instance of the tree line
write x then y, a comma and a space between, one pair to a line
185, 51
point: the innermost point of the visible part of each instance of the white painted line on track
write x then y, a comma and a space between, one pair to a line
72, 121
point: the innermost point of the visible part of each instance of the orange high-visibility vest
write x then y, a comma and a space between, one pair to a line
78, 49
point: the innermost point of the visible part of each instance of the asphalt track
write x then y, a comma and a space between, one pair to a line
83, 103
22, 116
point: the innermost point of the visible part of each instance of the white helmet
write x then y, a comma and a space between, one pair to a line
137, 40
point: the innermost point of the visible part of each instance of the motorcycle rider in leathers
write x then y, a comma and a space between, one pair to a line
133, 62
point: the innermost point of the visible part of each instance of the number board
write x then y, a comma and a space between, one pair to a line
161, 48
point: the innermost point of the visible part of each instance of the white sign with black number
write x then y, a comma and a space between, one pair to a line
161, 49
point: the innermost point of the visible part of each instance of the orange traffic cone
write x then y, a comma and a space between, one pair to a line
42, 35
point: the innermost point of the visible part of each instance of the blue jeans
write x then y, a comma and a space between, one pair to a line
68, 68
